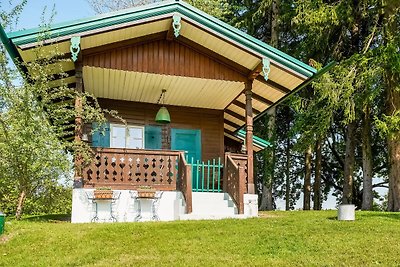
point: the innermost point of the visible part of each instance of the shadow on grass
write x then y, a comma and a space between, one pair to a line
55, 218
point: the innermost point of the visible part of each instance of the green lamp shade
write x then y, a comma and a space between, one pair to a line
163, 116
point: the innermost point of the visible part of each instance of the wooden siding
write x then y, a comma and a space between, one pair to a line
210, 122
163, 57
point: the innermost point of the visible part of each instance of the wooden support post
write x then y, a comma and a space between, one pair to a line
78, 179
166, 136
249, 138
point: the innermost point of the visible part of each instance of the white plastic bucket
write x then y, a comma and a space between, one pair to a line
347, 212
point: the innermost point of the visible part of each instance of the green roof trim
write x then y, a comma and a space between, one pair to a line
7, 43
256, 140
164, 8
12, 50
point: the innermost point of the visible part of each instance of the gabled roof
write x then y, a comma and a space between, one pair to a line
77, 27
224, 44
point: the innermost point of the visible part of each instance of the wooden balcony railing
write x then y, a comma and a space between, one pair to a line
185, 181
132, 169
234, 182
241, 161
162, 170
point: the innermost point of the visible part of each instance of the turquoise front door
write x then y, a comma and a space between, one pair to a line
187, 140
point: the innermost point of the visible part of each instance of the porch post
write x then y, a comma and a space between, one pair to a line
78, 180
249, 137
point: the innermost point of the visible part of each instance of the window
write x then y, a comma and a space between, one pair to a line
127, 136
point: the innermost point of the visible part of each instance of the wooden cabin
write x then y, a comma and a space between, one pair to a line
212, 79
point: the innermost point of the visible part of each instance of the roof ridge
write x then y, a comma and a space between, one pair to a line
163, 8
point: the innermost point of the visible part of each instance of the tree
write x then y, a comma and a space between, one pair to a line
389, 124
216, 8
36, 121
104, 6
352, 31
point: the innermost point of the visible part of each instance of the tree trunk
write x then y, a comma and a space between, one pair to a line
393, 147
349, 164
267, 202
394, 174
21, 201
269, 159
287, 187
367, 198
274, 23
317, 181
390, 206
307, 179
392, 81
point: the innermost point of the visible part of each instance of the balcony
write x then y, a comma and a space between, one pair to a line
165, 170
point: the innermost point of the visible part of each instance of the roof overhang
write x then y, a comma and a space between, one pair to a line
222, 43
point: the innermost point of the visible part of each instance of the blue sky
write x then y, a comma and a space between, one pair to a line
65, 10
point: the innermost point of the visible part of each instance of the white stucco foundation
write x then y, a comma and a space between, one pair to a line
171, 206
124, 209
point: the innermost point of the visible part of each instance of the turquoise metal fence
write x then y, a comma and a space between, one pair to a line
206, 176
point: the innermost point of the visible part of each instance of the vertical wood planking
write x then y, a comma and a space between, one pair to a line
159, 57
124, 60
200, 68
171, 58
145, 62
118, 57
176, 59
140, 58
192, 64
135, 59
182, 60
129, 59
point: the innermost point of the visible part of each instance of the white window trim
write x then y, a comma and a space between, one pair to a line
112, 125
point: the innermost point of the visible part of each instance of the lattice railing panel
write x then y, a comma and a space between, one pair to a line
130, 168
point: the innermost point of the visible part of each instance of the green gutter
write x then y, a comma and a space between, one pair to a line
134, 14
256, 140
12, 51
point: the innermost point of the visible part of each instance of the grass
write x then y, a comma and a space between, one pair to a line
276, 238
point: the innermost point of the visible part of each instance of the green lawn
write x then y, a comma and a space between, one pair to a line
276, 238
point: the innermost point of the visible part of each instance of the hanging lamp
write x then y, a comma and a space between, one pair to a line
162, 114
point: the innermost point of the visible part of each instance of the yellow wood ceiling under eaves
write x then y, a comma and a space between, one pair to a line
219, 46
146, 87
125, 33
